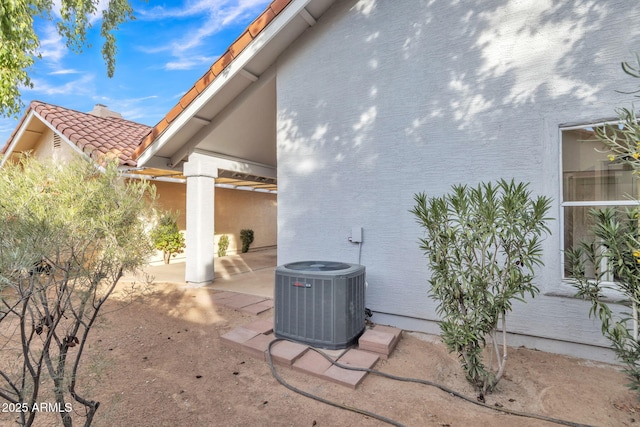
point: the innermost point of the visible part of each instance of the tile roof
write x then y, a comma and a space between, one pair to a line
93, 135
129, 139
225, 59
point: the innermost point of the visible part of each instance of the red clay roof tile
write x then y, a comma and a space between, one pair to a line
262, 21
188, 97
174, 112
278, 5
92, 133
159, 128
239, 45
204, 81
222, 63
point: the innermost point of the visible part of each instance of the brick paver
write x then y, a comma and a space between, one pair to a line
254, 338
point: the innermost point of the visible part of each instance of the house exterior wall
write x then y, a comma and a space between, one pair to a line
381, 100
44, 148
172, 196
234, 210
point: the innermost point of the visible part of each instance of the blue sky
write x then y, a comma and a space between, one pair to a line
161, 54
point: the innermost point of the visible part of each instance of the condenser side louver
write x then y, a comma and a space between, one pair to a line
320, 303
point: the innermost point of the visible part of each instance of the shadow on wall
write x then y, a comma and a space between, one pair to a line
429, 95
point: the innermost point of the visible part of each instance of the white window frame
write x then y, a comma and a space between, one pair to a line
594, 203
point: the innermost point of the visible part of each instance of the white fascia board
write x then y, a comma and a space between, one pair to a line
234, 68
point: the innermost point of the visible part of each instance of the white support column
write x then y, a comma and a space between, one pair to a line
201, 172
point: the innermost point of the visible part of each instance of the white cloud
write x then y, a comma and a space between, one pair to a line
78, 87
64, 71
214, 17
189, 8
7, 125
139, 109
188, 63
52, 46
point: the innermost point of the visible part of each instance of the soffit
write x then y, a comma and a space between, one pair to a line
33, 131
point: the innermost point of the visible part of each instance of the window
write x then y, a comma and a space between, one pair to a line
590, 180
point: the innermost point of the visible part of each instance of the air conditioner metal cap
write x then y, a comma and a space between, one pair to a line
320, 268
317, 265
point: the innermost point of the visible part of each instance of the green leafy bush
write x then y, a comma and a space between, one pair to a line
482, 245
68, 232
166, 236
223, 245
246, 235
611, 259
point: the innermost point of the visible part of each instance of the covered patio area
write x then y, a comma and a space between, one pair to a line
251, 273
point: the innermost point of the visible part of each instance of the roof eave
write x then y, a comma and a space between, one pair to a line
232, 68
16, 136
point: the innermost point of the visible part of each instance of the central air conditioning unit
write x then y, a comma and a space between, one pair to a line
320, 303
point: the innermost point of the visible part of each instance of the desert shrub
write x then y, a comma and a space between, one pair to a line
246, 236
166, 236
611, 261
608, 264
67, 234
223, 245
482, 245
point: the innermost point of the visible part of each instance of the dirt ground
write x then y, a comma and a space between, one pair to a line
158, 361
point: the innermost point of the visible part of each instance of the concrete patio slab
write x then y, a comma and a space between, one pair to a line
249, 273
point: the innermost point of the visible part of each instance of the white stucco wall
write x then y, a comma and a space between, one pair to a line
384, 99
44, 148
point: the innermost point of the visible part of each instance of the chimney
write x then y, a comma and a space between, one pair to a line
103, 111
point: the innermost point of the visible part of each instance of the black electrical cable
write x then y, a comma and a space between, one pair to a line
404, 379
321, 399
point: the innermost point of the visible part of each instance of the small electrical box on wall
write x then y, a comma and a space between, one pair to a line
356, 235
